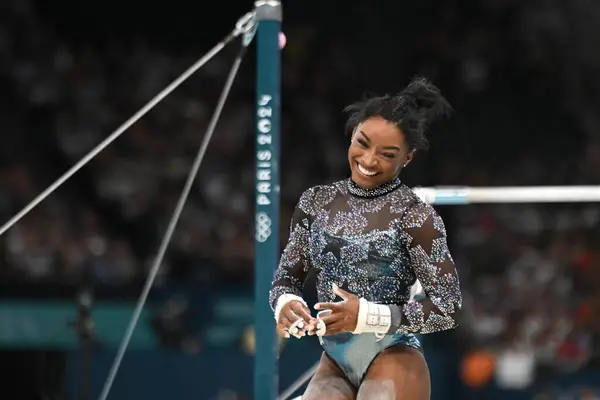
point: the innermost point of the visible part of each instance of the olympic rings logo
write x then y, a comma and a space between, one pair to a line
263, 227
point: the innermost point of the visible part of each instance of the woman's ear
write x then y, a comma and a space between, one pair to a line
409, 158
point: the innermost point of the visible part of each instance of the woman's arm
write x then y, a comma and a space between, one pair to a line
294, 264
433, 266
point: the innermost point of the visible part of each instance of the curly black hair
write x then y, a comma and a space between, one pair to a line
412, 110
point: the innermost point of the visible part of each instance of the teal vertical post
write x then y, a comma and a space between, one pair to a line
268, 80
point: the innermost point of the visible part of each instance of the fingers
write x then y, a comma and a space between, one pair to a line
311, 327
284, 325
331, 323
321, 328
297, 321
342, 293
294, 324
285, 320
302, 311
337, 307
290, 316
298, 310
297, 329
335, 328
329, 306
332, 318
281, 331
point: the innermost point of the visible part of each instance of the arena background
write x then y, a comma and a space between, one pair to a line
521, 75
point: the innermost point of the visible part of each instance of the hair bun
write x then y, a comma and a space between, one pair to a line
426, 98
411, 110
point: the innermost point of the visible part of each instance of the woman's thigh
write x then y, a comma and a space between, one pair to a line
329, 383
397, 373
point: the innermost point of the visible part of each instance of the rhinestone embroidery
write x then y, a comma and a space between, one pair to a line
374, 243
375, 192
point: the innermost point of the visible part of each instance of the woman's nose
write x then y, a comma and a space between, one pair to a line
368, 160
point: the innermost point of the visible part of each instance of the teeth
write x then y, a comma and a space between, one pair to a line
366, 171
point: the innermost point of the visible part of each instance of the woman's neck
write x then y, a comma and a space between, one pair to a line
377, 191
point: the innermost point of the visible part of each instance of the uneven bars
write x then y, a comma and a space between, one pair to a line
268, 16
458, 195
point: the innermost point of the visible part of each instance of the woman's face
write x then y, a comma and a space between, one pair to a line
377, 153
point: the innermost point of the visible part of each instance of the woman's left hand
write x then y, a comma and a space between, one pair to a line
343, 315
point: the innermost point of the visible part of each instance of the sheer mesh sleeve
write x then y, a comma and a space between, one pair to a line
294, 263
433, 266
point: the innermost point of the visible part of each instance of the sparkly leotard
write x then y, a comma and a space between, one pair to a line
374, 243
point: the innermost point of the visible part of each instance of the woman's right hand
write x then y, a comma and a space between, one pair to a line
294, 314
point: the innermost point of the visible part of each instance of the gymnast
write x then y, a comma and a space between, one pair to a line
369, 238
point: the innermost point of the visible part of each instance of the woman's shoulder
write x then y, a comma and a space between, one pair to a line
408, 200
322, 194
416, 210
327, 188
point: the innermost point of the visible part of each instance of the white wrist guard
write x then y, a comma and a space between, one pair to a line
283, 300
373, 318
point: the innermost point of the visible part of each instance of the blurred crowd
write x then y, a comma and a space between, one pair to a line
520, 76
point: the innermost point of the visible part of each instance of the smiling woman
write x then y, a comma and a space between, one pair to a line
386, 131
375, 154
370, 238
